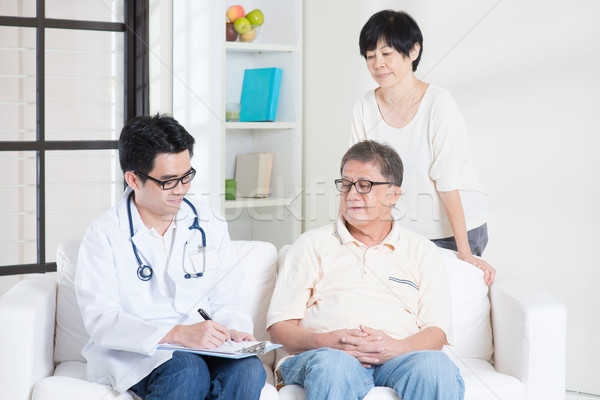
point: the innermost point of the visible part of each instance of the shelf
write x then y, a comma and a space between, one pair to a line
253, 203
261, 125
242, 47
279, 45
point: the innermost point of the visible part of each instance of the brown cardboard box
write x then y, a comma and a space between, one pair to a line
253, 174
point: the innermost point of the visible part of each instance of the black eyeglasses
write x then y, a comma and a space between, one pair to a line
362, 186
171, 183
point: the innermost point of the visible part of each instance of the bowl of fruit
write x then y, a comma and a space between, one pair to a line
241, 26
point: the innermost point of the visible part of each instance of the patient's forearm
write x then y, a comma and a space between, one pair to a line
296, 339
432, 338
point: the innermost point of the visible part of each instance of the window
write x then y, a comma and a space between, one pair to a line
72, 73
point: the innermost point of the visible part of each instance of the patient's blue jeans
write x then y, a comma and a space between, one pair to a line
189, 376
332, 374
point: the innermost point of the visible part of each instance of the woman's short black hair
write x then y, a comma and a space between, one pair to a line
396, 28
144, 137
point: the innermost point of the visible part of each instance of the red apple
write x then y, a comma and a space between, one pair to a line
235, 12
230, 33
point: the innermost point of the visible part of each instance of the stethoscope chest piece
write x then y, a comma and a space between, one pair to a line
144, 272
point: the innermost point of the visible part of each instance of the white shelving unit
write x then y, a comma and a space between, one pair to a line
276, 219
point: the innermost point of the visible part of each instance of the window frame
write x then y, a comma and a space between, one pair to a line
136, 101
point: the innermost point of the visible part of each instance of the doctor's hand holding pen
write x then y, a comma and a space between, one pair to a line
236, 336
204, 335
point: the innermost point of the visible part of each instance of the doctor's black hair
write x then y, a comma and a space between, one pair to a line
396, 28
144, 137
384, 156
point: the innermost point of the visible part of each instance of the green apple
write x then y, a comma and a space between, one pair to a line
255, 17
242, 25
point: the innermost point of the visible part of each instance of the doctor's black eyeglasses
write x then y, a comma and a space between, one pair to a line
171, 183
362, 186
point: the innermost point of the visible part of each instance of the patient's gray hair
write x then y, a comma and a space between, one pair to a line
382, 155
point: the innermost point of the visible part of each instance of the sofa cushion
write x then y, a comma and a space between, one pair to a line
68, 383
71, 335
259, 260
297, 392
471, 328
483, 382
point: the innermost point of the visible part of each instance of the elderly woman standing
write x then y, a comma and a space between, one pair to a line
443, 199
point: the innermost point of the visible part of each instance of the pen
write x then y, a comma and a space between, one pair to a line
207, 317
204, 314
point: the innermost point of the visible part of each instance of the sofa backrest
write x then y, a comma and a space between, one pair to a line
260, 267
259, 260
471, 326
71, 336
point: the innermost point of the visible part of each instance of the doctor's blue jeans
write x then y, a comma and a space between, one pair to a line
188, 376
332, 374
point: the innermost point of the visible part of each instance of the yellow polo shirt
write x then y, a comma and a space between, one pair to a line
332, 281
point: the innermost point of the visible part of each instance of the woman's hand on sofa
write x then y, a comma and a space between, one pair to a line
489, 272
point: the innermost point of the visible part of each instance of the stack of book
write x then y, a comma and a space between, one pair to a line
253, 174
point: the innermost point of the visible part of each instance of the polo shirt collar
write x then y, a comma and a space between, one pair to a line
342, 233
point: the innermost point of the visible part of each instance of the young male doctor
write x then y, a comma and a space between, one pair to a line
146, 267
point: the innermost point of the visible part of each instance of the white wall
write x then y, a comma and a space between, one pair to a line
526, 76
197, 80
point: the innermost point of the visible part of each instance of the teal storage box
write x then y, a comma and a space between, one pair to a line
260, 94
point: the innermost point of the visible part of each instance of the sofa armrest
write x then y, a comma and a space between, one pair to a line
529, 328
27, 312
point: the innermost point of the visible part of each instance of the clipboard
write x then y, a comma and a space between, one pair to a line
234, 350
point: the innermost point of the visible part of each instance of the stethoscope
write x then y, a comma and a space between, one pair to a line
145, 272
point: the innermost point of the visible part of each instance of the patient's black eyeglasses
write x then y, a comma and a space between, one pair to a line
362, 186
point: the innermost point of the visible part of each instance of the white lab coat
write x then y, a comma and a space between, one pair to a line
127, 317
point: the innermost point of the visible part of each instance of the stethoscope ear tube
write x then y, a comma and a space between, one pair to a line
145, 272
196, 225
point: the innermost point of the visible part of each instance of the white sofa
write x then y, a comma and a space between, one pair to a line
518, 354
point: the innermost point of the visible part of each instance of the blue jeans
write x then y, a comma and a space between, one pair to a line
478, 239
332, 374
189, 376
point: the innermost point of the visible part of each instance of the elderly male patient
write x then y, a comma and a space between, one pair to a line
364, 302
